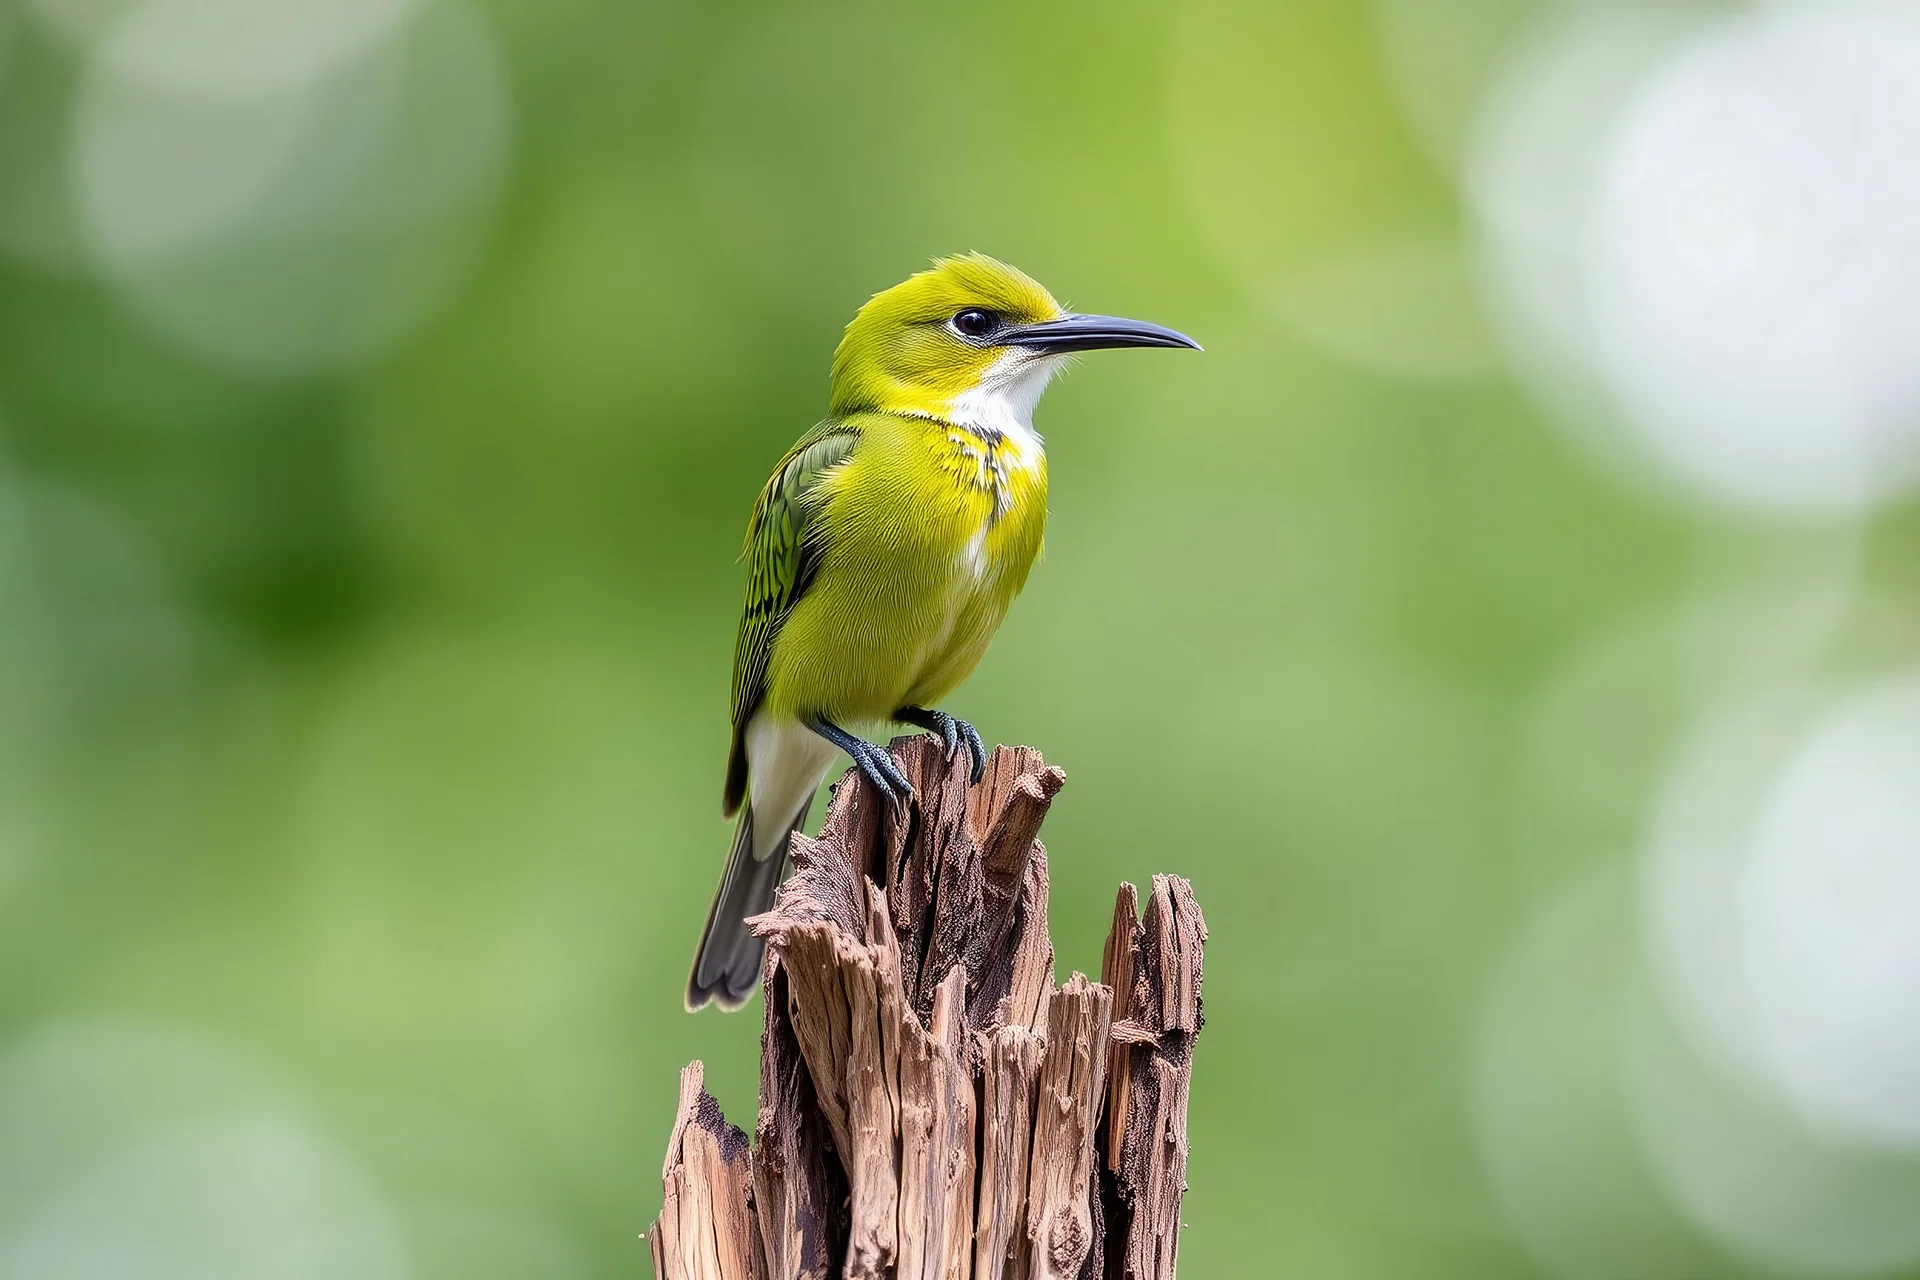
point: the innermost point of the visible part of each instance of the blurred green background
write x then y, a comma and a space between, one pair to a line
383, 388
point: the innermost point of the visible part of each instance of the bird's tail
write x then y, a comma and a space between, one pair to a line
727, 965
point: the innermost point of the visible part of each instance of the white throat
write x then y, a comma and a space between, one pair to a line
1002, 405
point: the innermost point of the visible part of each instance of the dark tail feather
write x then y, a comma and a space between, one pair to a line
726, 967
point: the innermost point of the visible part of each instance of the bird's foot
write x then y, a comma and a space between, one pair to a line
877, 764
874, 763
953, 731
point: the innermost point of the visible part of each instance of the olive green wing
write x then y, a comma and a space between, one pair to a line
782, 555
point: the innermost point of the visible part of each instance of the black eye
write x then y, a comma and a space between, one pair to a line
973, 323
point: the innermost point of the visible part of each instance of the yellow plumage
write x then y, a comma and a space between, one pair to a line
927, 532
883, 553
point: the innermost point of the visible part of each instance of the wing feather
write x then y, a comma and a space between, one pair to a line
782, 554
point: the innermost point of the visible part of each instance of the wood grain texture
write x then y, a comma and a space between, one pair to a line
1060, 1184
794, 1185
932, 1105
1158, 960
706, 1228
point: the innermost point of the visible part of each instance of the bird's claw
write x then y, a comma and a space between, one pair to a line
975, 748
957, 733
950, 734
877, 766
954, 732
875, 763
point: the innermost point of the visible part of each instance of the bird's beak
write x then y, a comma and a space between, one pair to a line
1091, 333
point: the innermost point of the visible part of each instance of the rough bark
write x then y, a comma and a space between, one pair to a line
932, 1105
706, 1226
1154, 967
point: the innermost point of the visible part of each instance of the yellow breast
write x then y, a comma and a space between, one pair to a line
1004, 478
929, 532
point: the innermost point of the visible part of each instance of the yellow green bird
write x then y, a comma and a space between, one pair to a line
882, 555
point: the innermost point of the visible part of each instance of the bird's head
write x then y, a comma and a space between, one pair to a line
970, 327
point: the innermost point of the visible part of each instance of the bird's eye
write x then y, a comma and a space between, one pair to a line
973, 323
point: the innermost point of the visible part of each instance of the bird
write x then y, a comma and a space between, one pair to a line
882, 555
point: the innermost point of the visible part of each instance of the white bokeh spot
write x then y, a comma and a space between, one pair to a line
1741, 1166
1758, 255
1831, 906
1706, 242
1775, 1070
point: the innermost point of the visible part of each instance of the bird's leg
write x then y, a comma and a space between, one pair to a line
874, 762
952, 730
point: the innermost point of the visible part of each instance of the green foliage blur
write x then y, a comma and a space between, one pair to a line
365, 707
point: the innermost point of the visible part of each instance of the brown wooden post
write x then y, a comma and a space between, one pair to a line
932, 1105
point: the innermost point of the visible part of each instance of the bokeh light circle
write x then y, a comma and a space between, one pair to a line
1774, 1067
1696, 855
238, 48
1532, 176
1780, 885
1705, 241
1757, 256
1742, 1167
1831, 899
307, 213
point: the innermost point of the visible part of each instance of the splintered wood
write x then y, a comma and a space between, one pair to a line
932, 1105
704, 1228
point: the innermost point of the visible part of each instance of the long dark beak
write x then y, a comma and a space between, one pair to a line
1091, 333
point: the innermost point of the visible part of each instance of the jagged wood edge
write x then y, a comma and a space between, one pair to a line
1108, 1195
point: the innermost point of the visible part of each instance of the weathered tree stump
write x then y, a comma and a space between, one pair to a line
932, 1105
